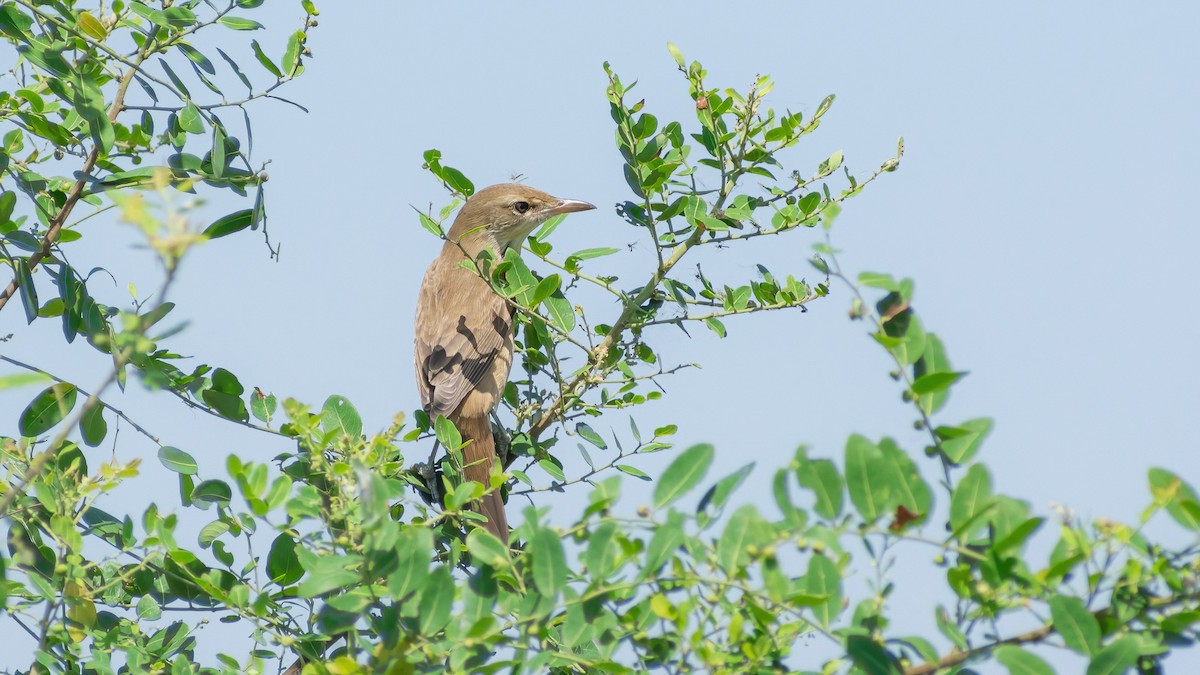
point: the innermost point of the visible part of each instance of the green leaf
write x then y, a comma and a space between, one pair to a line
29, 299
1119, 657
218, 150
234, 222
1019, 535
562, 316
1079, 629
21, 380
960, 443
683, 474
487, 548
823, 579
148, 609
211, 532
339, 415
589, 253
447, 434
972, 496
190, 119
263, 406
457, 181
549, 562
602, 551
47, 409
414, 550
8, 201
212, 492
239, 23
283, 565
871, 657
715, 326
743, 530
911, 490
554, 470
437, 599
177, 460
545, 288
675, 54
935, 382
92, 426
820, 476
667, 538
874, 279
1020, 662
869, 478
264, 59
291, 54
933, 360
588, 434
328, 573
631, 471
1171, 492
719, 493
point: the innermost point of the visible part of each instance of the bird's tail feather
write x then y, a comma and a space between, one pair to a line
478, 458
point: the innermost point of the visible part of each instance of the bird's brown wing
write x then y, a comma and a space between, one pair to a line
461, 326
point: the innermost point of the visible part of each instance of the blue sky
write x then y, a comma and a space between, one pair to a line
1043, 208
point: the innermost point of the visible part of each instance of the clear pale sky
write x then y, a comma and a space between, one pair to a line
1045, 208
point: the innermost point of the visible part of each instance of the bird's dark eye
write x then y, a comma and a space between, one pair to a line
521, 207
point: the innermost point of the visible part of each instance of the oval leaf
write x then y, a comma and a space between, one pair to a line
683, 474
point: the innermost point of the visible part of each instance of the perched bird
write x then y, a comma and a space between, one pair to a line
464, 330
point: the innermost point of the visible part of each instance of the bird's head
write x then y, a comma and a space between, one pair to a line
503, 215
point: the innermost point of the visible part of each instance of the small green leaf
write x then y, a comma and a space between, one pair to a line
962, 442
339, 415
1171, 492
1020, 662
92, 426
549, 562
589, 253
823, 579
821, 476
588, 434
437, 599
264, 59
683, 474
632, 471
870, 657
329, 573
935, 382
1119, 657
211, 492
675, 54
211, 532
148, 609
562, 316
234, 222
177, 460
1079, 629
47, 409
239, 23
190, 119
715, 326
553, 469
487, 548
91, 25
971, 497
869, 478
283, 565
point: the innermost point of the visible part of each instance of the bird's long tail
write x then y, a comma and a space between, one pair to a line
478, 458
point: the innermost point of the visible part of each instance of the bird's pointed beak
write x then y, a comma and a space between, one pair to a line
568, 206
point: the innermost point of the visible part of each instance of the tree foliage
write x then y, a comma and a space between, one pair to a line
357, 554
